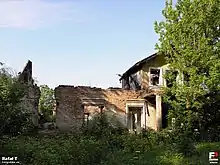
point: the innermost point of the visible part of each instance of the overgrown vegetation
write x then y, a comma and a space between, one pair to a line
113, 147
189, 39
47, 103
14, 116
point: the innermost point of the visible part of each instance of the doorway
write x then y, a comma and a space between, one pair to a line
134, 119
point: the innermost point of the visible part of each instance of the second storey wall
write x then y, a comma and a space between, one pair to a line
157, 62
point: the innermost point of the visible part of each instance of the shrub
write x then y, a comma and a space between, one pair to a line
14, 117
111, 150
100, 127
61, 150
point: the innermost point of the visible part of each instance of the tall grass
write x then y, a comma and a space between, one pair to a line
102, 144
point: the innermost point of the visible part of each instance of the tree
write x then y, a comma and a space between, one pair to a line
15, 118
47, 102
189, 38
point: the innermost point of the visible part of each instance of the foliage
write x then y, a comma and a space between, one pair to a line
84, 149
189, 39
47, 102
14, 116
58, 150
101, 127
110, 148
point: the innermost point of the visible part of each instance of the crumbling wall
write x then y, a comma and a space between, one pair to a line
32, 92
31, 101
71, 105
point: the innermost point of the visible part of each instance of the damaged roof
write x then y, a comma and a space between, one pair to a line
136, 67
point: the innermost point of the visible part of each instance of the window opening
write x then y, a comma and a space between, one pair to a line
155, 76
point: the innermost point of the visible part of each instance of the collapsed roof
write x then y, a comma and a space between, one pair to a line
136, 67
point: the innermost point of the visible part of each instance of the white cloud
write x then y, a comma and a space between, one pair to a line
36, 13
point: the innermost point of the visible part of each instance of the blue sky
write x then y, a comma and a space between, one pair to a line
78, 42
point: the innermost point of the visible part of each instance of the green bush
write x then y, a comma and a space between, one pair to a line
100, 127
111, 150
47, 103
62, 150
14, 117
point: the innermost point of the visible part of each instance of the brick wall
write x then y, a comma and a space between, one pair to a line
70, 109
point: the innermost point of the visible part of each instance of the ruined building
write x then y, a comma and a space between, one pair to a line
137, 105
76, 105
32, 91
147, 75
